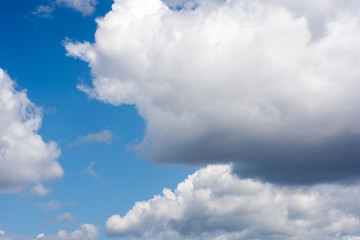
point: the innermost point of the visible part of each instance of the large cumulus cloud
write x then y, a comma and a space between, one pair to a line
25, 159
272, 86
215, 204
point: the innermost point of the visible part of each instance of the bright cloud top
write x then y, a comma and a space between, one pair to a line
25, 159
215, 204
269, 85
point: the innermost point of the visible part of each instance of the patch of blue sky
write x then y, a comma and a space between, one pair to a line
32, 53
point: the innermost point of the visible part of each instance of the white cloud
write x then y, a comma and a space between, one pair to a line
91, 171
215, 204
40, 190
84, 232
40, 236
44, 11
25, 159
5, 236
86, 7
49, 206
236, 81
66, 217
104, 136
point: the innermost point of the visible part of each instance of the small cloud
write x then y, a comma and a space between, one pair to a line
40, 190
2, 232
40, 236
104, 136
86, 7
91, 171
49, 206
84, 232
44, 11
66, 217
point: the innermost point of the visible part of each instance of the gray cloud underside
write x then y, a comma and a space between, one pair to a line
271, 86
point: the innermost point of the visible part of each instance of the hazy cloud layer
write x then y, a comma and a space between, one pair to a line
86, 7
104, 136
215, 204
25, 159
272, 86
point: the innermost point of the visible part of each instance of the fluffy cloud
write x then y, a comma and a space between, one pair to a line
25, 159
84, 232
86, 7
272, 86
215, 204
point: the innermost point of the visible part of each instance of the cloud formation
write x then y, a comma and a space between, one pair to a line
86, 7
44, 11
25, 159
272, 86
214, 204
104, 136
52, 205
84, 232
89, 170
66, 218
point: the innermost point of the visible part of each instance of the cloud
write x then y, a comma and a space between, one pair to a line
214, 204
65, 217
86, 7
90, 170
104, 136
44, 11
25, 159
84, 232
40, 190
49, 206
40, 236
266, 85
5, 236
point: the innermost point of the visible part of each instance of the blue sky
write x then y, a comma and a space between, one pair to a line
34, 45
179, 119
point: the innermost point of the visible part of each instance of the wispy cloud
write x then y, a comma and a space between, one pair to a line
40, 190
86, 7
104, 136
53, 205
44, 11
49, 206
64, 218
91, 171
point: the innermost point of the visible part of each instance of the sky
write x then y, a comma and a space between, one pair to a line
179, 119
